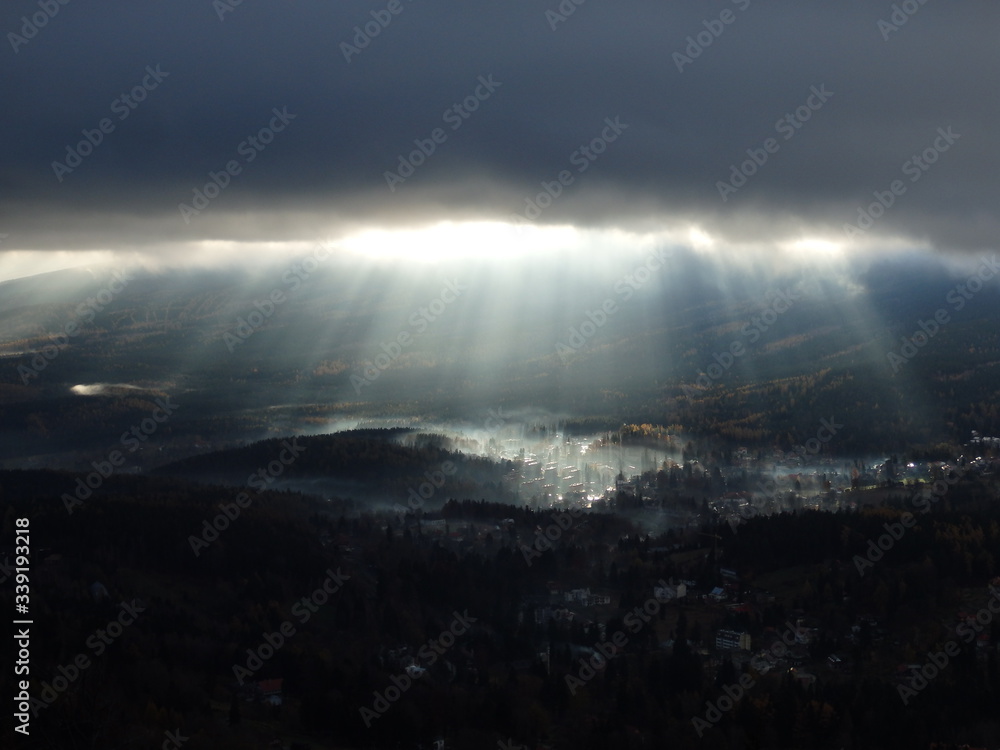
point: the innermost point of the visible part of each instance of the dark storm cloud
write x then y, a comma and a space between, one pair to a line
220, 81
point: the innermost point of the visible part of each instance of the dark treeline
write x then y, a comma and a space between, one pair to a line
374, 457
408, 579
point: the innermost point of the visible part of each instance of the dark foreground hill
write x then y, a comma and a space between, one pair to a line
312, 625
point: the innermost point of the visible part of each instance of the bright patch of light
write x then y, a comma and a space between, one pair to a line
95, 389
100, 389
456, 240
700, 239
814, 246
17, 264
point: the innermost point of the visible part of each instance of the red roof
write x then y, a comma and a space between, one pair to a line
268, 687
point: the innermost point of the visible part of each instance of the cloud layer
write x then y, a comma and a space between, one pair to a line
488, 103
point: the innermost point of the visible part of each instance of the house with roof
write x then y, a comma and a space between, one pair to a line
728, 640
270, 691
803, 678
666, 592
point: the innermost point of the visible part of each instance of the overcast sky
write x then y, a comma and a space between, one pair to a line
869, 98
